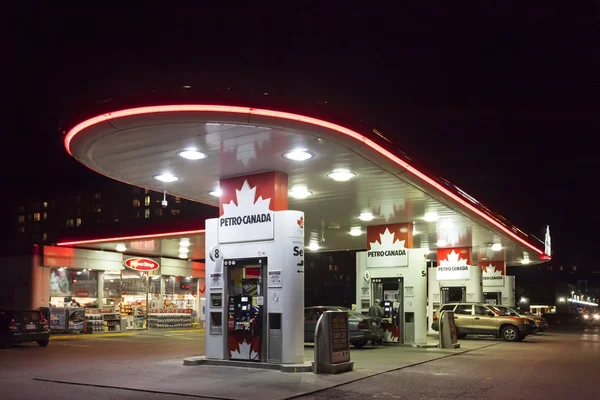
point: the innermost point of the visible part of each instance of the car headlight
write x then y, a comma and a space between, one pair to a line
586, 316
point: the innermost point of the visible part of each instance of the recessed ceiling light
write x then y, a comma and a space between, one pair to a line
191, 154
341, 175
496, 247
298, 155
430, 216
366, 216
441, 243
121, 247
299, 193
355, 231
216, 193
313, 246
166, 178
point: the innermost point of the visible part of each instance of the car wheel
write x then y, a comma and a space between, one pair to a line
511, 334
360, 345
43, 343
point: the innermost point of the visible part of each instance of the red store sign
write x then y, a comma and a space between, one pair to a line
141, 264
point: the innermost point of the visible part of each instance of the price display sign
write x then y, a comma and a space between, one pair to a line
340, 345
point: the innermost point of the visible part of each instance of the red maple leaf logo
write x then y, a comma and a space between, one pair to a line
300, 222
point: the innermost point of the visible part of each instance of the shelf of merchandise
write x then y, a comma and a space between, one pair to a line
112, 322
169, 320
103, 322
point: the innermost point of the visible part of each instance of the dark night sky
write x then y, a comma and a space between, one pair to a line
498, 99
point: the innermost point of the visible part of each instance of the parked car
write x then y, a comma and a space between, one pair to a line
23, 326
483, 319
540, 322
362, 329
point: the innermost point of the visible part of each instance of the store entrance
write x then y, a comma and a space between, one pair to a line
245, 308
454, 294
390, 292
494, 298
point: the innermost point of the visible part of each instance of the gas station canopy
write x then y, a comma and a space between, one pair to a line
341, 179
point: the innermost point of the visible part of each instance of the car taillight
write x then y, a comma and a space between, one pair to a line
364, 324
12, 325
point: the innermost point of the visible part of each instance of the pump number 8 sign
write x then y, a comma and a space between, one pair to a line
215, 253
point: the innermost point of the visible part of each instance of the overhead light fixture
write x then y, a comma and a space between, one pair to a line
356, 231
184, 242
216, 193
167, 178
298, 155
496, 247
121, 247
366, 216
525, 261
191, 154
300, 193
430, 216
341, 175
441, 243
314, 246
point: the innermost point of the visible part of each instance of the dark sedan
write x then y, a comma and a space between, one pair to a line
23, 326
362, 329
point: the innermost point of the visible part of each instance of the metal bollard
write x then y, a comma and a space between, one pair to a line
317, 361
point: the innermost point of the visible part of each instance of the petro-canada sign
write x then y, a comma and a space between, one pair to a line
141, 264
387, 252
247, 221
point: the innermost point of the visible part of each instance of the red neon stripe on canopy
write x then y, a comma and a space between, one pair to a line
293, 117
126, 238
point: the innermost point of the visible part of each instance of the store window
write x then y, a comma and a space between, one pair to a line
112, 288
36, 216
45, 215
80, 285
147, 213
175, 211
21, 219
147, 201
136, 202
79, 221
134, 296
180, 293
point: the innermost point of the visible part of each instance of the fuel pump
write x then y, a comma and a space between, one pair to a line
244, 324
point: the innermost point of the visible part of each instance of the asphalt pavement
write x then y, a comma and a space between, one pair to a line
148, 366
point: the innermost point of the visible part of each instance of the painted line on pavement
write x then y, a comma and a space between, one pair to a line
92, 336
71, 345
188, 330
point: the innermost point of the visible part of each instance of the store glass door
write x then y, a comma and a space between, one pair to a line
246, 308
455, 294
390, 293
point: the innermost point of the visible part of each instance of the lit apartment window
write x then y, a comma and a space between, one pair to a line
45, 204
97, 196
136, 202
177, 199
21, 219
44, 236
36, 216
136, 214
97, 208
147, 213
78, 221
146, 191
147, 201
44, 215
175, 211
70, 222
21, 229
